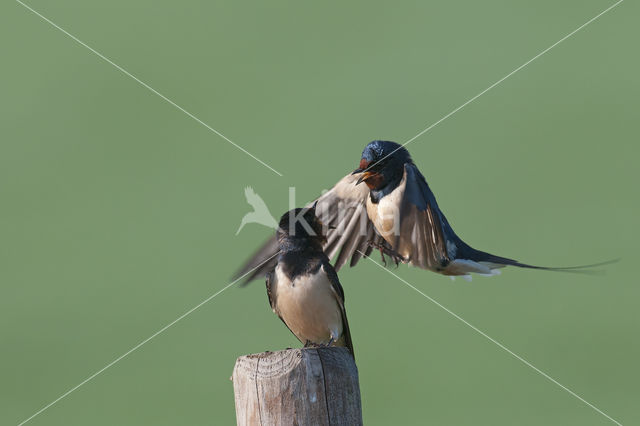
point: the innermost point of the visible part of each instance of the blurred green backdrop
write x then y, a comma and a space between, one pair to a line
119, 212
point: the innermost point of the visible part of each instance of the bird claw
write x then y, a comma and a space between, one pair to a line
309, 344
385, 248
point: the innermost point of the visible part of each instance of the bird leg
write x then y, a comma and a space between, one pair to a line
384, 260
385, 248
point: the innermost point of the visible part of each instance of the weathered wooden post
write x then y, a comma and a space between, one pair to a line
308, 386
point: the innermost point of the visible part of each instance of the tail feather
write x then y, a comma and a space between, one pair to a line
577, 269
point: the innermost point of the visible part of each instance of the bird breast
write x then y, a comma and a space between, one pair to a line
309, 307
385, 214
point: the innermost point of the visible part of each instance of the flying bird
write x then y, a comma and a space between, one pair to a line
387, 204
303, 289
260, 213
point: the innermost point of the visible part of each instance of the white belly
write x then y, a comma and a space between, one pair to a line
385, 215
308, 306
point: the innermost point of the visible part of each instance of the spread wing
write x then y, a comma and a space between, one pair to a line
424, 231
429, 242
349, 230
426, 237
339, 293
343, 209
260, 263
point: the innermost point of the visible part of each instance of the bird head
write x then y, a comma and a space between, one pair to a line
381, 162
300, 227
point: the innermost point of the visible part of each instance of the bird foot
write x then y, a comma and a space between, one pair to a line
309, 344
386, 249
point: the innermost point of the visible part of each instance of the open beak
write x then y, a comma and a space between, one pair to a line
364, 169
366, 175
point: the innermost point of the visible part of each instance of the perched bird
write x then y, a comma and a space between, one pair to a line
260, 213
303, 289
386, 203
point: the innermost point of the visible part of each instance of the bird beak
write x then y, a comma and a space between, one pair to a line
364, 177
357, 171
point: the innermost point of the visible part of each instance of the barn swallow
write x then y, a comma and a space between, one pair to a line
303, 288
387, 203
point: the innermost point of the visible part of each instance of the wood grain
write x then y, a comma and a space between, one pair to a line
307, 386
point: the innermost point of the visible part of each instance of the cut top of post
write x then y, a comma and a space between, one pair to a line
309, 386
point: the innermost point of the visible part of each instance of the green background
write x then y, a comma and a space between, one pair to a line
118, 212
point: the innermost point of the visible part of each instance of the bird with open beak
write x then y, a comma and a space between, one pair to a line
395, 211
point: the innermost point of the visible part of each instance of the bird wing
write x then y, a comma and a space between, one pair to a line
342, 209
260, 263
271, 294
425, 237
336, 287
429, 242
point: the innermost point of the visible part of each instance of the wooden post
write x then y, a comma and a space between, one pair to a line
308, 386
